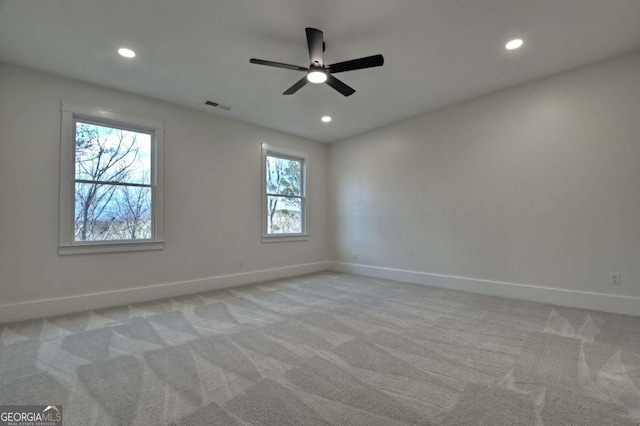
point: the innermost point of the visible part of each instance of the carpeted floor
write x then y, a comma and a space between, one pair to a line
327, 349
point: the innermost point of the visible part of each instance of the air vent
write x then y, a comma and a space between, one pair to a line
217, 105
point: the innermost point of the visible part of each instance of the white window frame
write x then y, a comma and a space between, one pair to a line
294, 155
70, 113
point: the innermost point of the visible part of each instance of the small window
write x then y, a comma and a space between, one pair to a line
284, 200
110, 197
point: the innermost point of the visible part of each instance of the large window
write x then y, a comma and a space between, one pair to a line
110, 196
284, 206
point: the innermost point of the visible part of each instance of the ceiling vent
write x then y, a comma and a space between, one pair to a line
217, 105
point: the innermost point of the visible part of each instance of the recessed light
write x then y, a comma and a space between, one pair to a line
127, 53
326, 119
514, 44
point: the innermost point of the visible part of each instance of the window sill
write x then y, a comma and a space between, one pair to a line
284, 238
109, 248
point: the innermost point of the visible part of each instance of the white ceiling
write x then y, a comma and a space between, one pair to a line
437, 52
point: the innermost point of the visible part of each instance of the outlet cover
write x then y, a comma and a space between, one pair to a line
615, 278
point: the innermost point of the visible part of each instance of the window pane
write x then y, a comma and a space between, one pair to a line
109, 212
284, 215
106, 154
284, 176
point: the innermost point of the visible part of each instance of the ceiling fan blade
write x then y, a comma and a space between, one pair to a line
315, 43
339, 86
293, 89
277, 64
356, 64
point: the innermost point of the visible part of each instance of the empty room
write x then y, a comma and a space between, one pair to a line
284, 212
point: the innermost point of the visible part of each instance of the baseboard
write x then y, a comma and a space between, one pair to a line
66, 305
577, 299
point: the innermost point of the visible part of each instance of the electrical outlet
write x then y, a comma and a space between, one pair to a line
615, 278
354, 255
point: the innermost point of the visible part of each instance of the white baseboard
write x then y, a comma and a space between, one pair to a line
84, 302
577, 299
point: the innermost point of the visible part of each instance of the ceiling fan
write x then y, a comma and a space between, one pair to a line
317, 71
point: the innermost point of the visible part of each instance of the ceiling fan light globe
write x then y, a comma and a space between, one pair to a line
317, 76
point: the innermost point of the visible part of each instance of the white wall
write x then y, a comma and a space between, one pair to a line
212, 198
535, 185
538, 184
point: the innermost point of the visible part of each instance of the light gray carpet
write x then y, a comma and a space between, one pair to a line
328, 349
